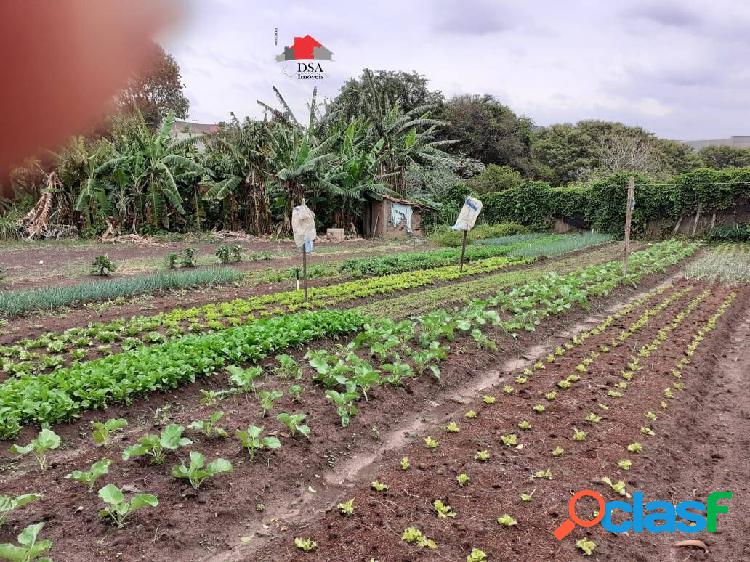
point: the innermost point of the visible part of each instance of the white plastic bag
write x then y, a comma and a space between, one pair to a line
303, 227
468, 215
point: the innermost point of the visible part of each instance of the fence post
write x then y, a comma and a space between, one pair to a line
628, 220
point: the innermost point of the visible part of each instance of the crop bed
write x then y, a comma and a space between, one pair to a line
247, 440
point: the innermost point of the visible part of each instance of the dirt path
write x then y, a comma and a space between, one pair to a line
703, 447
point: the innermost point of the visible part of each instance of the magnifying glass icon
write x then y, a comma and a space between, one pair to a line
569, 524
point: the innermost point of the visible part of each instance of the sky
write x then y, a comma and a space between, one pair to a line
676, 68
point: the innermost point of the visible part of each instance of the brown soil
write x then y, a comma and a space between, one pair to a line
222, 521
495, 486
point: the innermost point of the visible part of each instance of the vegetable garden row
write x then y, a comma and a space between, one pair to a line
231, 414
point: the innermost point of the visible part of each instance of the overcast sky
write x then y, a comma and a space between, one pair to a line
677, 68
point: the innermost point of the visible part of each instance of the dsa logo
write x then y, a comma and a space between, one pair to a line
302, 59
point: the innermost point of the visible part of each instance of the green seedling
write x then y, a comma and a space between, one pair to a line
8, 504
208, 426
198, 471
30, 549
251, 440
295, 423
443, 510
412, 535
346, 508
89, 477
244, 379
506, 520
267, 399
156, 446
102, 431
118, 508
45, 441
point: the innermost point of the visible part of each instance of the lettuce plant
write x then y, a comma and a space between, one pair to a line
267, 399
118, 509
30, 549
345, 406
295, 423
251, 440
198, 471
208, 426
156, 446
287, 368
89, 477
346, 508
8, 504
244, 379
102, 431
413, 535
44, 442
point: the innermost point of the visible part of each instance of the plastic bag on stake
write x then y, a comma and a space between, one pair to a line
468, 215
303, 227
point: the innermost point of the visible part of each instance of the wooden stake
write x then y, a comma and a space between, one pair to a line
628, 220
304, 267
463, 250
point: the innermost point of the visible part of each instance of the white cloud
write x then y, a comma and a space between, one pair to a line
675, 68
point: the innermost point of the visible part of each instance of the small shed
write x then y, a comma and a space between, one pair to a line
386, 216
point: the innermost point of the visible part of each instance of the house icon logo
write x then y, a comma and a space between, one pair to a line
302, 59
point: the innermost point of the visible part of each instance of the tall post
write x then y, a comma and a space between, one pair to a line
628, 220
463, 251
304, 267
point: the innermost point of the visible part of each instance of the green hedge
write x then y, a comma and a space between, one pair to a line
600, 204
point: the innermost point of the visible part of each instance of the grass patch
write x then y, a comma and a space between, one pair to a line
14, 303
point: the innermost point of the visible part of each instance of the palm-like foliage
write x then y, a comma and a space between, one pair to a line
237, 157
145, 173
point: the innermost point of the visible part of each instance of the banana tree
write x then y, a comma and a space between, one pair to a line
146, 171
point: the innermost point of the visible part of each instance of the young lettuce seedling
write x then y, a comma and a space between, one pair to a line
118, 508
295, 423
244, 379
30, 549
45, 441
8, 504
267, 399
208, 426
198, 471
156, 446
346, 508
251, 440
102, 431
89, 477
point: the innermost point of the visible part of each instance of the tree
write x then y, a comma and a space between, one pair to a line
156, 91
145, 173
407, 89
488, 131
495, 178
237, 159
724, 157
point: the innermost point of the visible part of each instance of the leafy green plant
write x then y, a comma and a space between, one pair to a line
89, 477
30, 549
244, 379
171, 261
412, 535
346, 508
345, 406
430, 442
586, 546
102, 431
156, 446
295, 423
578, 435
306, 545
476, 555
462, 479
187, 257
44, 442
482, 456
267, 399
251, 440
405, 464
635, 447
506, 520
198, 471
8, 504
118, 509
208, 426
378, 486
229, 253
102, 266
443, 510
624, 464
295, 391
287, 367
558, 451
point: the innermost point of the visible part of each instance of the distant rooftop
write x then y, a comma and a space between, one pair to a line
741, 141
184, 129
